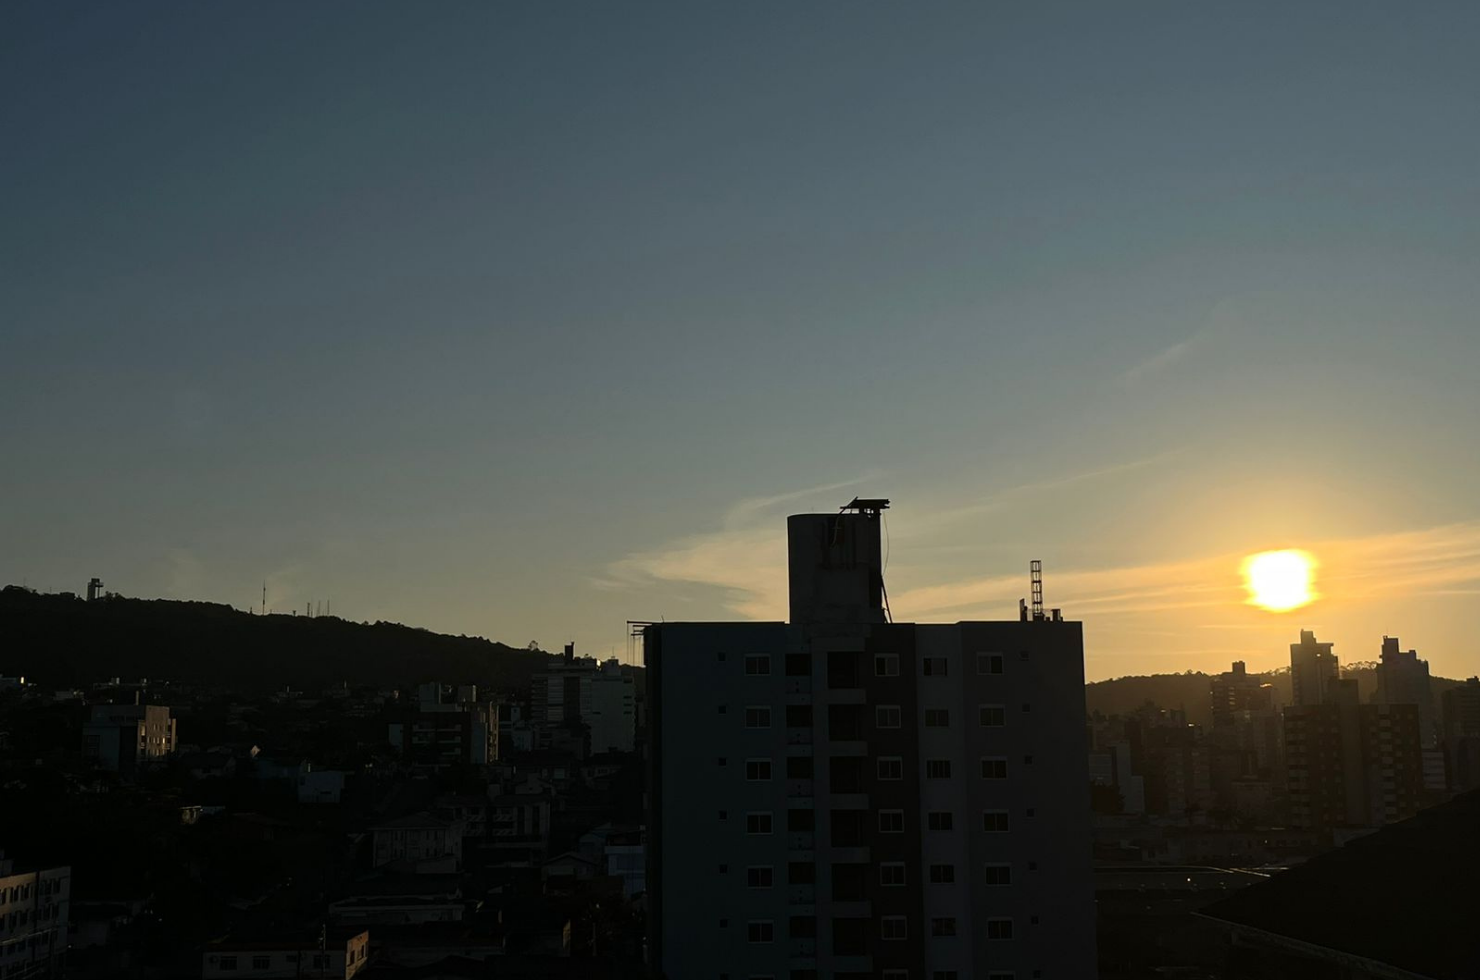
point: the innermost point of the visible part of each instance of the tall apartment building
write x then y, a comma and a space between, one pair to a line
123, 738
444, 728
845, 797
1402, 678
1236, 691
1351, 764
579, 690
33, 920
1461, 718
1313, 669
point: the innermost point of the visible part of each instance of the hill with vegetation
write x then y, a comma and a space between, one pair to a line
62, 641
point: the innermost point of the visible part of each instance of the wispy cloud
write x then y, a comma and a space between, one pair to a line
1160, 361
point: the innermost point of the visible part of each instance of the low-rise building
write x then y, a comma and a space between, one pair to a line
419, 843
340, 955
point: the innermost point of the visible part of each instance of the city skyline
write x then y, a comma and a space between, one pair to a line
522, 322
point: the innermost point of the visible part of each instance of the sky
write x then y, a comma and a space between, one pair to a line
525, 320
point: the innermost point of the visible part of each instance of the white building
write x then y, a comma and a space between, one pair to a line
841, 796
265, 960
33, 920
419, 843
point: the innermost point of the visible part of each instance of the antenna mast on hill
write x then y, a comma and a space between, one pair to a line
264, 597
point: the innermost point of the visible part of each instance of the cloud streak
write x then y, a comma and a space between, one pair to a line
1159, 362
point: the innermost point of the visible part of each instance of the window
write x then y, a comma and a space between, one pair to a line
886, 665
994, 821
891, 767
720, 656
891, 821
939, 820
757, 717
947, 975
942, 874
758, 823
989, 663
942, 928
801, 821
934, 666
758, 876
993, 715
724, 869
724, 814
845, 722
228, 963
1001, 976
802, 927
758, 664
999, 874
999, 929
261, 962
995, 768
801, 873
798, 716
848, 827
803, 974
723, 762
724, 708
798, 665
851, 936
758, 770
938, 768
799, 767
845, 773
1022, 655
842, 669
937, 718
886, 716
891, 874
894, 927
759, 931
1027, 760
1027, 707
895, 975
850, 882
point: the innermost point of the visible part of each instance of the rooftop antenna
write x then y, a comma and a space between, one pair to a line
264, 597
1035, 569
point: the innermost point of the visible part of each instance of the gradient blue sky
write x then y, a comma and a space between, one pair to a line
524, 320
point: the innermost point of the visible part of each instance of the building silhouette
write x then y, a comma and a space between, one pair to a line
1348, 764
845, 796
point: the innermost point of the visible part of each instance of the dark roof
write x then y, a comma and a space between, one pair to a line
413, 822
1403, 896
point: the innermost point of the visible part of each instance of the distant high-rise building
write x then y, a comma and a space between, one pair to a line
123, 738
1236, 690
1461, 711
843, 796
1351, 764
1404, 679
1313, 669
579, 691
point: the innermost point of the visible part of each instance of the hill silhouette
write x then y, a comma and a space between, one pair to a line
60, 640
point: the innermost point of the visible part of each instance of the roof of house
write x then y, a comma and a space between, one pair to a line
1401, 897
414, 821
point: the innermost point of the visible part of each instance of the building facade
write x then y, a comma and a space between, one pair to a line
34, 907
123, 738
845, 797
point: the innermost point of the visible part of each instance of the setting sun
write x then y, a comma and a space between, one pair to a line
1279, 580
